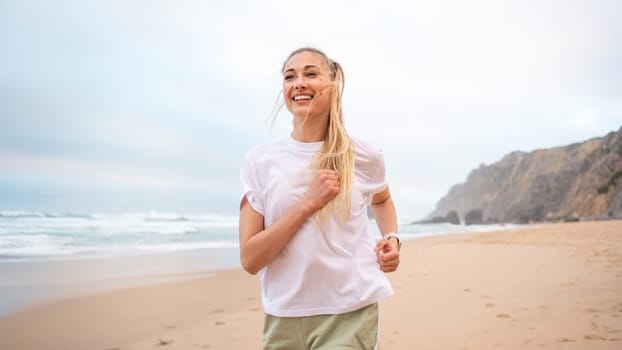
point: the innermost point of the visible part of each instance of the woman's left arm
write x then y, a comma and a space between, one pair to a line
387, 250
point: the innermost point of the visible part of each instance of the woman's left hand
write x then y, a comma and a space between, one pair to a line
388, 255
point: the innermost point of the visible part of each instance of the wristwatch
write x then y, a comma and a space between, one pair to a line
394, 235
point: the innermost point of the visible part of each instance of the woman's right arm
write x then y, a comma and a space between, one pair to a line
258, 245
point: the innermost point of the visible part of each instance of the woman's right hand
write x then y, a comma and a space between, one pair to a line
260, 245
324, 187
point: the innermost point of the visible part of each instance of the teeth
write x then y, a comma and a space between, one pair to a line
302, 97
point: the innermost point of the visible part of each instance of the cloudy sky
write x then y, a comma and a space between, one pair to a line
136, 105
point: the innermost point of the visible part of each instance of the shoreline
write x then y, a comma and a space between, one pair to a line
556, 285
28, 284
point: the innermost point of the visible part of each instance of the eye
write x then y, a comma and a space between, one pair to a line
311, 74
288, 77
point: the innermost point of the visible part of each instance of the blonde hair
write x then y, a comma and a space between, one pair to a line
337, 152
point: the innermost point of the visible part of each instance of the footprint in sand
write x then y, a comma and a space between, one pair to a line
565, 340
544, 308
162, 342
503, 316
594, 337
220, 323
490, 305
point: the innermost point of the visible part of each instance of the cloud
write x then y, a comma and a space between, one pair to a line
98, 172
165, 95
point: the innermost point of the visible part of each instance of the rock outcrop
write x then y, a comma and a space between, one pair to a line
474, 217
578, 181
451, 218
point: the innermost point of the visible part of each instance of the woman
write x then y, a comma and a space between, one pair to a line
303, 219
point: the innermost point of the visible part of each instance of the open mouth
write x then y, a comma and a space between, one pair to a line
303, 98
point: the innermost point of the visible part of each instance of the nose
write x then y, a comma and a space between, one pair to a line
299, 82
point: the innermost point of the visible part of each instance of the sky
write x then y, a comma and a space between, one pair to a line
146, 105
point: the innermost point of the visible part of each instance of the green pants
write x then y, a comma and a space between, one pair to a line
352, 330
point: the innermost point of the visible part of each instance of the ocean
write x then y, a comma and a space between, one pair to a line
36, 236
30, 235
46, 256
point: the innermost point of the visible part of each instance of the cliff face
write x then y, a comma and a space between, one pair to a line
582, 180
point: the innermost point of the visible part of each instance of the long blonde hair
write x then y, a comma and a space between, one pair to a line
337, 152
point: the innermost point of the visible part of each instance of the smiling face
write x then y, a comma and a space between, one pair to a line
306, 85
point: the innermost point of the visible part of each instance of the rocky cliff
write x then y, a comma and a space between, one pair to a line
578, 181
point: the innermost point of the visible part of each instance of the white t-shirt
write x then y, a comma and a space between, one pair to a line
321, 270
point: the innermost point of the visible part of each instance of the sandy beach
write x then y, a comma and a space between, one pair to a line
557, 286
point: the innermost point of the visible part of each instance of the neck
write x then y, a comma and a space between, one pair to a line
312, 129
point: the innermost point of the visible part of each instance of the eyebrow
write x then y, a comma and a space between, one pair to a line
305, 67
